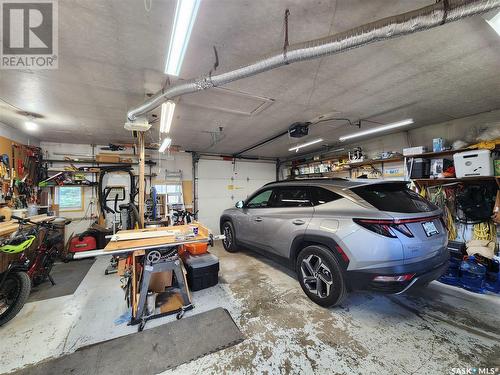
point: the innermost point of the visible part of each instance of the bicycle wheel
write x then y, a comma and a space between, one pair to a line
13, 295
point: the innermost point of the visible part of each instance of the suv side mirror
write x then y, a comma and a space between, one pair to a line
239, 204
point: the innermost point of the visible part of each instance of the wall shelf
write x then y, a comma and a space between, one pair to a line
81, 185
431, 155
376, 161
348, 167
425, 182
93, 161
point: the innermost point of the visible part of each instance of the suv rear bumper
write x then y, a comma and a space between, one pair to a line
424, 271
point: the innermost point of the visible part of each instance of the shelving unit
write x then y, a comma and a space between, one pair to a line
90, 161
348, 167
81, 185
92, 172
441, 181
376, 161
425, 182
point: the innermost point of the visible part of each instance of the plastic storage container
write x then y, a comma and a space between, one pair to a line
472, 275
202, 271
492, 278
473, 163
452, 274
420, 168
492, 282
196, 248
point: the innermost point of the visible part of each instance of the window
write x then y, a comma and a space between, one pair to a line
173, 191
260, 200
394, 198
291, 197
70, 198
322, 196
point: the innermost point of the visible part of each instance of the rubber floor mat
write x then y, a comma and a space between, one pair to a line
151, 351
67, 276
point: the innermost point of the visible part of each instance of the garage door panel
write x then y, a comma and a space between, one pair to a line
211, 188
215, 169
220, 184
255, 170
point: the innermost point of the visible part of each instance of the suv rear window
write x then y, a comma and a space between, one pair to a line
290, 197
394, 198
322, 196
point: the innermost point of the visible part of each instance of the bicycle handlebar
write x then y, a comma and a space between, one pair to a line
41, 223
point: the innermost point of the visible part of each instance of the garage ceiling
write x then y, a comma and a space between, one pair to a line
113, 52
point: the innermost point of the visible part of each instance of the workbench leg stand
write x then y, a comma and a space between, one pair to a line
179, 275
146, 277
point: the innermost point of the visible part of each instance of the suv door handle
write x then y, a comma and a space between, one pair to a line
298, 222
257, 219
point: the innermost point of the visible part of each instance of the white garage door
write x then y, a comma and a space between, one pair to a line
220, 184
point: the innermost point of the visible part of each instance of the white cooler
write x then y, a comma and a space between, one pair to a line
473, 163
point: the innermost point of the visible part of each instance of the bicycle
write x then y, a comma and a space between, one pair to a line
182, 217
29, 269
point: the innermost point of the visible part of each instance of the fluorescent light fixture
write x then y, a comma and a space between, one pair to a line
185, 15
494, 22
165, 144
298, 147
31, 126
377, 129
167, 114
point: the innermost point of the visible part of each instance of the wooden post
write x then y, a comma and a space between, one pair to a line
140, 136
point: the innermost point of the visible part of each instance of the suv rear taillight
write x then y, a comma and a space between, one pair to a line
399, 278
385, 227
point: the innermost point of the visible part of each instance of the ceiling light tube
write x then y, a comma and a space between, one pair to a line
185, 15
31, 126
494, 22
165, 144
298, 147
377, 129
167, 114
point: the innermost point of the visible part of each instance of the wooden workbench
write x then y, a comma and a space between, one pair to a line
9, 227
146, 243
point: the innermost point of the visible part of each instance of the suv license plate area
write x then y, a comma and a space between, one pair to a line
430, 228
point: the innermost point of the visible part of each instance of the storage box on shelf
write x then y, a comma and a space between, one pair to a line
473, 163
473, 159
332, 167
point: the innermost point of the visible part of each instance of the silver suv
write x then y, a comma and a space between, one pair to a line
340, 235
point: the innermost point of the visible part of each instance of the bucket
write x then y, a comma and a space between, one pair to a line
32, 210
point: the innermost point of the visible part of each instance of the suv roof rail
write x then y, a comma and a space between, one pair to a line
309, 179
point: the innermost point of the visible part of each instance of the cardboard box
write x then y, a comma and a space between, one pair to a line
173, 303
122, 262
437, 144
414, 150
160, 281
107, 158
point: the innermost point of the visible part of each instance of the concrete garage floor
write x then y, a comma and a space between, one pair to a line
432, 330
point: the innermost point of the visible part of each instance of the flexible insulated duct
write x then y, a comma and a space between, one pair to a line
422, 19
